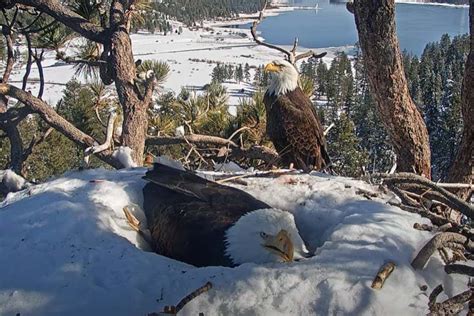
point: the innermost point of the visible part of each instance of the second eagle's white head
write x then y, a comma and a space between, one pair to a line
283, 77
265, 236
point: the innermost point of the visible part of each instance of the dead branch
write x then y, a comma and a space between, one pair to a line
444, 240
291, 55
38, 60
108, 138
56, 121
69, 18
228, 147
423, 227
459, 269
451, 306
382, 275
28, 62
413, 182
35, 142
173, 310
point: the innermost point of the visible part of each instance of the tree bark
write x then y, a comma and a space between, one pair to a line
375, 22
462, 169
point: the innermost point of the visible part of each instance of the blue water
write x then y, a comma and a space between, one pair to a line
333, 25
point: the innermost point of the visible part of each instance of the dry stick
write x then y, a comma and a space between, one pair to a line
451, 306
290, 55
382, 275
173, 310
449, 240
108, 139
459, 269
445, 196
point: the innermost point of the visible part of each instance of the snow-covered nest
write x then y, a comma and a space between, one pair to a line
66, 249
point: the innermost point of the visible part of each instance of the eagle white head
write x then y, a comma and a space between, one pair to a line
283, 77
264, 236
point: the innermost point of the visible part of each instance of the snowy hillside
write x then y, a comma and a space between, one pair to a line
66, 249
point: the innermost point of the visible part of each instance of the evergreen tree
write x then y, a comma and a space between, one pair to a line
247, 73
239, 73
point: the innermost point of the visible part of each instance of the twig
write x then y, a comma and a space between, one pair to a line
382, 275
291, 56
449, 240
459, 269
173, 310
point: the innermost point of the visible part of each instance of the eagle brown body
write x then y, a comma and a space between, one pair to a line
188, 216
295, 130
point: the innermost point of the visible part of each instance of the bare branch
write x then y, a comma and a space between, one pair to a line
50, 116
38, 60
444, 196
6, 30
69, 18
108, 139
174, 310
437, 242
451, 306
382, 275
459, 269
230, 148
28, 62
35, 142
291, 55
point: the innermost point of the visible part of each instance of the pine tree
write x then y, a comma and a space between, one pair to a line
247, 73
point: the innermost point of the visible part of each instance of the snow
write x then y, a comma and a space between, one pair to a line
68, 250
12, 181
191, 55
124, 155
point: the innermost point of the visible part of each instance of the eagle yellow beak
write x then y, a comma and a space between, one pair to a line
280, 245
271, 67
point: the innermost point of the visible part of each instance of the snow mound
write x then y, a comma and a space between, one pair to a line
66, 249
12, 181
124, 155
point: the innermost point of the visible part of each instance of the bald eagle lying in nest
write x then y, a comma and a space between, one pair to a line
292, 122
204, 223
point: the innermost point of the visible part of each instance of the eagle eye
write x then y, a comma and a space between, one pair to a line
263, 235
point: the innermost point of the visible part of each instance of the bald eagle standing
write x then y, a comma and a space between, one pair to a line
292, 122
205, 223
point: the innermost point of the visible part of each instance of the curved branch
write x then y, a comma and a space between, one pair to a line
55, 120
437, 242
448, 198
69, 18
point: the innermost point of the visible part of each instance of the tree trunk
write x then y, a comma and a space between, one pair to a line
375, 22
462, 168
135, 119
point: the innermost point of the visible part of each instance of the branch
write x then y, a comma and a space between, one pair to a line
451, 306
38, 60
382, 275
50, 116
196, 139
35, 142
291, 55
230, 148
6, 30
108, 139
28, 62
174, 310
449, 240
69, 18
459, 269
443, 195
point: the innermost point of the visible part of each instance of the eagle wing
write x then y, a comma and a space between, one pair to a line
188, 215
301, 129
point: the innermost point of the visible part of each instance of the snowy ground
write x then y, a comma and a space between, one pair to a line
216, 43
66, 249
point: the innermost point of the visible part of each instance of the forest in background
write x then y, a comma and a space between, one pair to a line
357, 143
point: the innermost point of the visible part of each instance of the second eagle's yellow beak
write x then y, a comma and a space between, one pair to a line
271, 67
280, 245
